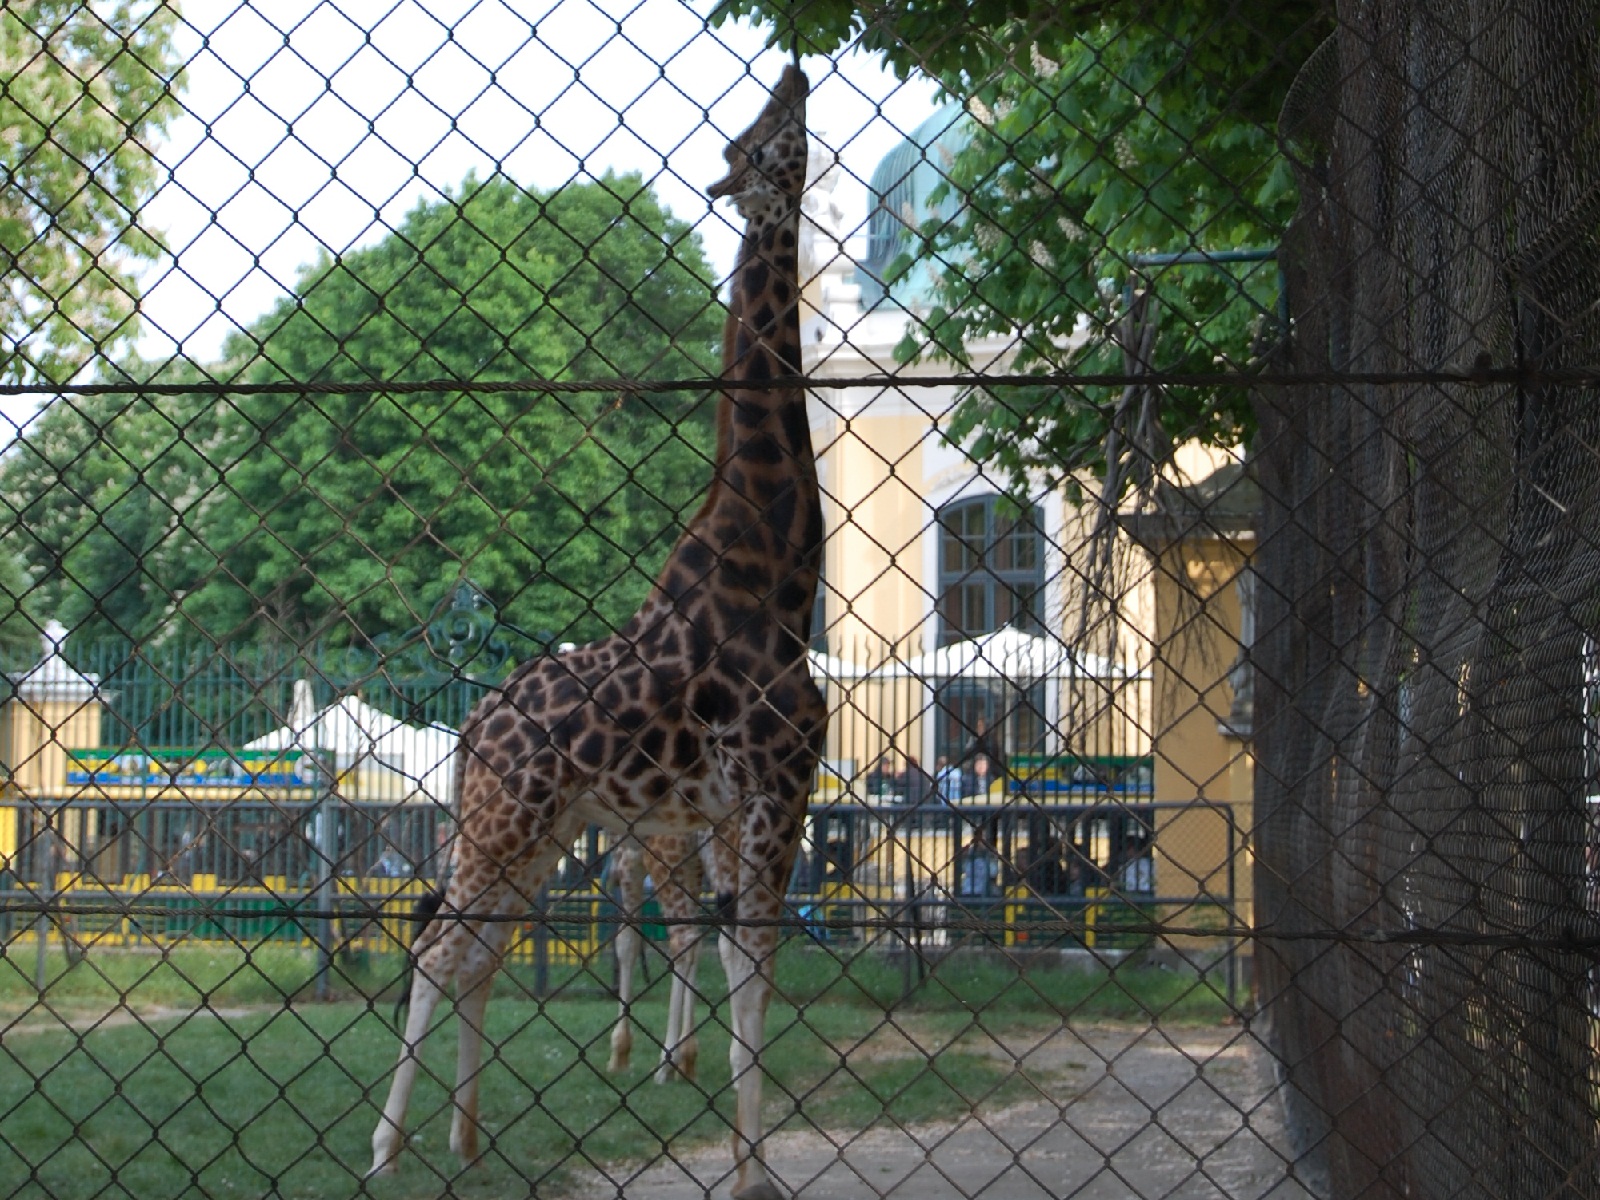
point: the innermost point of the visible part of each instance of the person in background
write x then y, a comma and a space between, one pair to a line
896, 784
391, 865
980, 866
981, 779
917, 788
985, 743
880, 778
946, 781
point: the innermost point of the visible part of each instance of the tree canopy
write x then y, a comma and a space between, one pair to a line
109, 493
1099, 138
88, 91
347, 515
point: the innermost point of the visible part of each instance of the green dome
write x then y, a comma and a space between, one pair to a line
900, 190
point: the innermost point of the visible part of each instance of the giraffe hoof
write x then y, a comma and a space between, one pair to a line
385, 1154
464, 1141
670, 1070
621, 1049
764, 1190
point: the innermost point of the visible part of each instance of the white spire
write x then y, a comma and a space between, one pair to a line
54, 678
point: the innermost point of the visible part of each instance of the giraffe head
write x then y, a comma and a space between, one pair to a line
767, 162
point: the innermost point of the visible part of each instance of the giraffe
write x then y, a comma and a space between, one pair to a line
699, 713
674, 864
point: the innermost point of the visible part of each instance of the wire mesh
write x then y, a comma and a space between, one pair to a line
1077, 579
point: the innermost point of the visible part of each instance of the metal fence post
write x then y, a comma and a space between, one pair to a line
41, 928
49, 893
541, 945
327, 850
1232, 952
908, 913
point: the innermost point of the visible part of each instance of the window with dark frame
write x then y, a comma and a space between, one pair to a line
991, 568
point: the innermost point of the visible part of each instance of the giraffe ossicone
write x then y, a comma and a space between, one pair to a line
700, 713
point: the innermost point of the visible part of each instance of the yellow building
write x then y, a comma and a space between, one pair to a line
925, 556
924, 550
1199, 537
53, 709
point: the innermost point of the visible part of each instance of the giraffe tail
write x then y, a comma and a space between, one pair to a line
425, 909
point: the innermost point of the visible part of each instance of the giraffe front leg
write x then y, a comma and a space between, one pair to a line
746, 958
769, 839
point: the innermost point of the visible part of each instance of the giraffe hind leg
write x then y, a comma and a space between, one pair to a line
472, 1003
511, 899
431, 969
456, 949
426, 907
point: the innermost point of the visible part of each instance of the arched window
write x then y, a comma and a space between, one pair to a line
991, 568
991, 574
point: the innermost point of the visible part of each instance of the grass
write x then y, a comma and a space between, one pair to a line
282, 1099
986, 983
185, 977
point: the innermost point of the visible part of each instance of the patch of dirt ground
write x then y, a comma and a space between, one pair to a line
44, 1019
1177, 1113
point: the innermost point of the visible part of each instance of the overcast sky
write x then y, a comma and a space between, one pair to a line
315, 127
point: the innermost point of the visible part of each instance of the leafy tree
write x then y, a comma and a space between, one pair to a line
1098, 153
19, 631
107, 492
88, 89
348, 515
345, 516
1101, 135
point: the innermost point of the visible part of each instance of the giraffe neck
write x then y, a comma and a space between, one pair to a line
756, 542
760, 343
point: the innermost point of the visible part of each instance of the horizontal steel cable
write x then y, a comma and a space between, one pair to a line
1487, 377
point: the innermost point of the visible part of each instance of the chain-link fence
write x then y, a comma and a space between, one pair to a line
1058, 539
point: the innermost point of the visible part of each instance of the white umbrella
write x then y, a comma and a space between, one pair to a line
360, 736
1007, 654
424, 756
829, 668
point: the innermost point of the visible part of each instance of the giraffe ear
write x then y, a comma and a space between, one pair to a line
727, 185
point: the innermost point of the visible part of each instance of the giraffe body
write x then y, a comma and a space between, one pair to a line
700, 714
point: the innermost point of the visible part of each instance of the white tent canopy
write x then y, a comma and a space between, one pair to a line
391, 760
829, 668
1007, 654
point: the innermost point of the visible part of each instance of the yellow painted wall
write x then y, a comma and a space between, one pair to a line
876, 518
37, 734
883, 472
1197, 628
